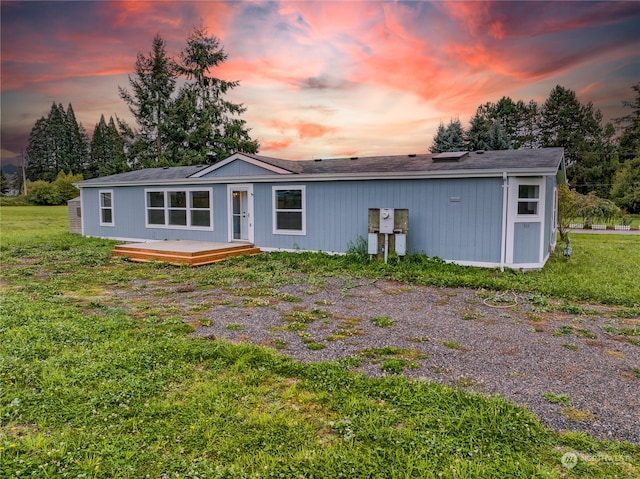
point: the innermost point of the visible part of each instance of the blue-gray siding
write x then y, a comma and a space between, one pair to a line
454, 219
238, 168
526, 242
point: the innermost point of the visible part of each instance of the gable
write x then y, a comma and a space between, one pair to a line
235, 168
241, 164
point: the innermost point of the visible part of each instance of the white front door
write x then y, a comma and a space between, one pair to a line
240, 211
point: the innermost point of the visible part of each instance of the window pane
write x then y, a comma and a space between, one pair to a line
105, 200
528, 191
155, 199
106, 216
200, 218
289, 221
178, 199
156, 217
289, 199
527, 207
178, 217
200, 199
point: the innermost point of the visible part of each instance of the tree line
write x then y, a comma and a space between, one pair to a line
196, 124
192, 124
601, 157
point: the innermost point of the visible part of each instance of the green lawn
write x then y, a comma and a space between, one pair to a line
88, 389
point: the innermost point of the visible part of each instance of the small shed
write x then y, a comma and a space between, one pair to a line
75, 215
480, 208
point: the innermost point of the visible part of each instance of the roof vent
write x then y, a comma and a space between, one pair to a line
317, 159
411, 155
354, 158
165, 167
449, 156
479, 152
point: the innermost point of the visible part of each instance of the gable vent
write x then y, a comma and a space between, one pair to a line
450, 156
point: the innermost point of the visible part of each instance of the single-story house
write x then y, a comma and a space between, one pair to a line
482, 208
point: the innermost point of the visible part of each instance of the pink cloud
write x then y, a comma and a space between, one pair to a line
305, 130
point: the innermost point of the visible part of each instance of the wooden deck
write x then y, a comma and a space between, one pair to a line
192, 253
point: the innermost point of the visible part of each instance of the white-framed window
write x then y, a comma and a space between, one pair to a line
106, 207
289, 210
180, 208
528, 200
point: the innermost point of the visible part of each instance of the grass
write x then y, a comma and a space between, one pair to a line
90, 388
382, 321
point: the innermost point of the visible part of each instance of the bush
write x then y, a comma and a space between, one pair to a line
43, 193
56, 193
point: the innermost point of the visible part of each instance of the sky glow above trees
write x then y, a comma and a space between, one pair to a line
324, 79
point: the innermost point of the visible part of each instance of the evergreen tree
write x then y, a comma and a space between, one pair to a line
498, 137
4, 183
207, 126
78, 143
630, 124
478, 136
150, 103
107, 150
589, 147
449, 138
56, 143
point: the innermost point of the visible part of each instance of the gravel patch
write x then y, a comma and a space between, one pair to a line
520, 347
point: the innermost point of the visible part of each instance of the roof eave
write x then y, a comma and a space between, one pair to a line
409, 175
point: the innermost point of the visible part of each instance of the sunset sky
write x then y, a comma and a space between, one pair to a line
324, 79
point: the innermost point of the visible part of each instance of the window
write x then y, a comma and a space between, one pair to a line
106, 207
289, 210
528, 199
188, 208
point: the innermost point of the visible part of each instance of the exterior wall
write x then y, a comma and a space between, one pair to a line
550, 230
238, 168
129, 216
454, 219
75, 215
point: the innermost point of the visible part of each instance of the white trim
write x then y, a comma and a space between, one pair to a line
82, 212
554, 218
409, 175
503, 235
250, 212
303, 210
188, 208
513, 217
101, 208
246, 159
291, 250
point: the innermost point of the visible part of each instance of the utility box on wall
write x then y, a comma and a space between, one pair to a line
387, 230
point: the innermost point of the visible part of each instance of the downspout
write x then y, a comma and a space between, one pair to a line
503, 245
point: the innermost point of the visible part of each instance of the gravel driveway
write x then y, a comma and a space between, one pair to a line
576, 366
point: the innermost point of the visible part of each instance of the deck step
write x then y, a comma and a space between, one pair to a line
178, 258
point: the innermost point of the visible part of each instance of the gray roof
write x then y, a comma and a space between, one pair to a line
543, 159
148, 174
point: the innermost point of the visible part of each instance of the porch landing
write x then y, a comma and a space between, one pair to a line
183, 252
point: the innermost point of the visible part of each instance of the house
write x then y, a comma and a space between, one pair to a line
482, 208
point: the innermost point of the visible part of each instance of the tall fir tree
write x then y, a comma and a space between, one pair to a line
56, 143
107, 150
150, 103
208, 126
630, 126
589, 149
